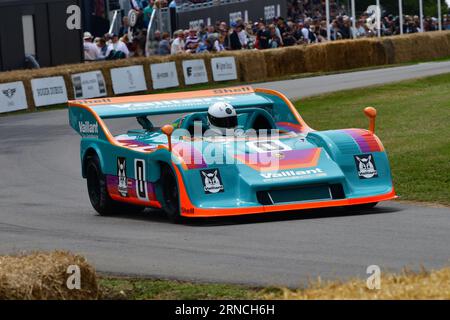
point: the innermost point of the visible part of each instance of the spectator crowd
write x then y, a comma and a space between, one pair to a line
305, 24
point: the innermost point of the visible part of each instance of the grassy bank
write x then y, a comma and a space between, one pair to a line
138, 289
46, 275
413, 122
406, 285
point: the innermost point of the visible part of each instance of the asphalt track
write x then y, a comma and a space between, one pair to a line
44, 205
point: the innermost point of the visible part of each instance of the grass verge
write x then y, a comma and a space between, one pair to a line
413, 124
138, 289
46, 275
407, 285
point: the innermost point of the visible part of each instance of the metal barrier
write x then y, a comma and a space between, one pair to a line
160, 20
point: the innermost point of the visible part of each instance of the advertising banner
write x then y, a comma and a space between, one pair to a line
164, 75
49, 91
128, 79
88, 85
12, 97
224, 69
194, 71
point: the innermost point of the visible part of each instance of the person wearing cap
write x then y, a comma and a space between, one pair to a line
192, 41
91, 51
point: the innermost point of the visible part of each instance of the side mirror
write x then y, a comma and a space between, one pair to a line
168, 130
371, 113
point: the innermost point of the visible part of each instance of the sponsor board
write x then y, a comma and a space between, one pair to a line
269, 12
365, 166
49, 91
128, 79
194, 71
195, 24
12, 97
164, 75
88, 85
235, 16
212, 181
224, 69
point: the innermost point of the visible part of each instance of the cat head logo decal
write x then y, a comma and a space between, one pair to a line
212, 182
365, 165
9, 93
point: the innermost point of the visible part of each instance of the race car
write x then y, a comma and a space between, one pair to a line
274, 162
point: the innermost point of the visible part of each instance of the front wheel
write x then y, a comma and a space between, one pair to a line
171, 202
98, 192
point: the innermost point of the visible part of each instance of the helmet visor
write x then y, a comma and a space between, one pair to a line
227, 122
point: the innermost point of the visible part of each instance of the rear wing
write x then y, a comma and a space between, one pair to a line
86, 116
158, 104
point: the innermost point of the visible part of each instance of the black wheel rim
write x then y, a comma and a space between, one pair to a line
93, 183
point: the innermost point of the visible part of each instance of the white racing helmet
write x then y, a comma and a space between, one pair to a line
222, 116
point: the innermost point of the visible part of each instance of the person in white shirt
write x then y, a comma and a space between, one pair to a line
305, 33
178, 44
91, 51
117, 45
243, 36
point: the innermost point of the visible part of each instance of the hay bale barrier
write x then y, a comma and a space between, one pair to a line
43, 276
263, 65
252, 65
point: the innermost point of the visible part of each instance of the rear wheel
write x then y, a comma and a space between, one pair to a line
171, 202
98, 192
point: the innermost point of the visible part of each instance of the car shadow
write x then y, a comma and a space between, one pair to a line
324, 213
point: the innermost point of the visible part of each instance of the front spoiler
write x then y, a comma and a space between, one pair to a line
192, 212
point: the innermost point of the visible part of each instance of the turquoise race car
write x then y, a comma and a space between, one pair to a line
275, 162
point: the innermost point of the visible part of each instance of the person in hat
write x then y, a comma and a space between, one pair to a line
91, 51
192, 41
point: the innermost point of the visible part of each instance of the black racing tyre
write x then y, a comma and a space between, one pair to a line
98, 193
171, 201
365, 206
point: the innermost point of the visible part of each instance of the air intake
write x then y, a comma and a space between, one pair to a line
303, 193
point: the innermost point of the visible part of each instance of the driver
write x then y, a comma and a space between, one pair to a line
222, 116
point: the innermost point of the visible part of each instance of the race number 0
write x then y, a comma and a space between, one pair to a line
141, 185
